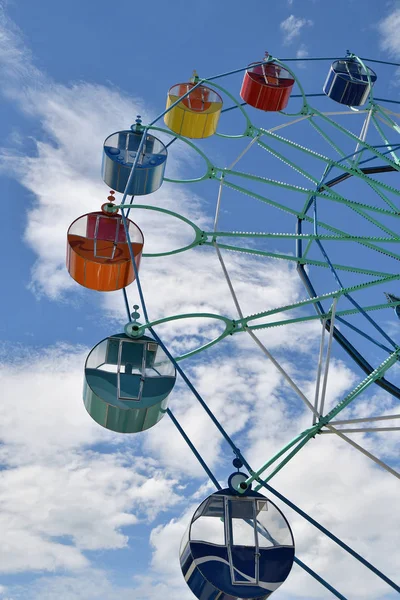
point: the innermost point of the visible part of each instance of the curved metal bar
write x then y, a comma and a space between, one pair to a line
239, 105
305, 108
199, 234
176, 136
360, 60
230, 327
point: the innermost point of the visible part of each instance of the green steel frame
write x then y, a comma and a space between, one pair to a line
320, 190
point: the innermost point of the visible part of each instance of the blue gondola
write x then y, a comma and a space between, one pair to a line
236, 547
348, 83
127, 383
119, 153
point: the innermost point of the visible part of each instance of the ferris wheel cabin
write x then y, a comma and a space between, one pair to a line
119, 152
267, 86
236, 547
349, 83
197, 115
98, 255
127, 383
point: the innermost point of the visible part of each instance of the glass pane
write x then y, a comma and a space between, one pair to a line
97, 356
215, 507
200, 510
157, 362
79, 227
265, 540
162, 363
243, 532
273, 526
132, 354
210, 530
241, 508
184, 541
134, 233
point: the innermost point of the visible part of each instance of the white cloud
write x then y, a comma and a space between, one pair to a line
302, 52
292, 27
61, 495
55, 484
389, 32
93, 584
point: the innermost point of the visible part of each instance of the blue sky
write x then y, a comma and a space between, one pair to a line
89, 514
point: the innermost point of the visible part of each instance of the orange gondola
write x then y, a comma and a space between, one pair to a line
98, 255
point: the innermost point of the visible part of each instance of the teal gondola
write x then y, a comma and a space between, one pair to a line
127, 383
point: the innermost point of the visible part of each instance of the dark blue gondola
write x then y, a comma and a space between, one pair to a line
236, 547
348, 82
393, 298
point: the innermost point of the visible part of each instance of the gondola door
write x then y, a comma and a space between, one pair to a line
242, 540
106, 232
131, 368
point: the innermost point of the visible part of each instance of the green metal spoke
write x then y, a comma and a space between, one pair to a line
308, 434
339, 313
323, 192
367, 244
328, 161
320, 298
367, 146
287, 458
388, 119
288, 162
307, 218
303, 261
302, 236
232, 326
378, 224
273, 203
376, 374
383, 136
255, 475
326, 137
307, 249
368, 180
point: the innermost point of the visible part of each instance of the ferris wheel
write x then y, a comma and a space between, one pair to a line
338, 226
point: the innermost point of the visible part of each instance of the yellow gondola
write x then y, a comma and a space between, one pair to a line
197, 115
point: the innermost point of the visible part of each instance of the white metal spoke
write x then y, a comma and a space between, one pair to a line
363, 419
375, 459
364, 430
282, 371
328, 355
363, 135
319, 370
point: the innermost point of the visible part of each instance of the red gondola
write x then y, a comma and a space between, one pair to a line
267, 86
